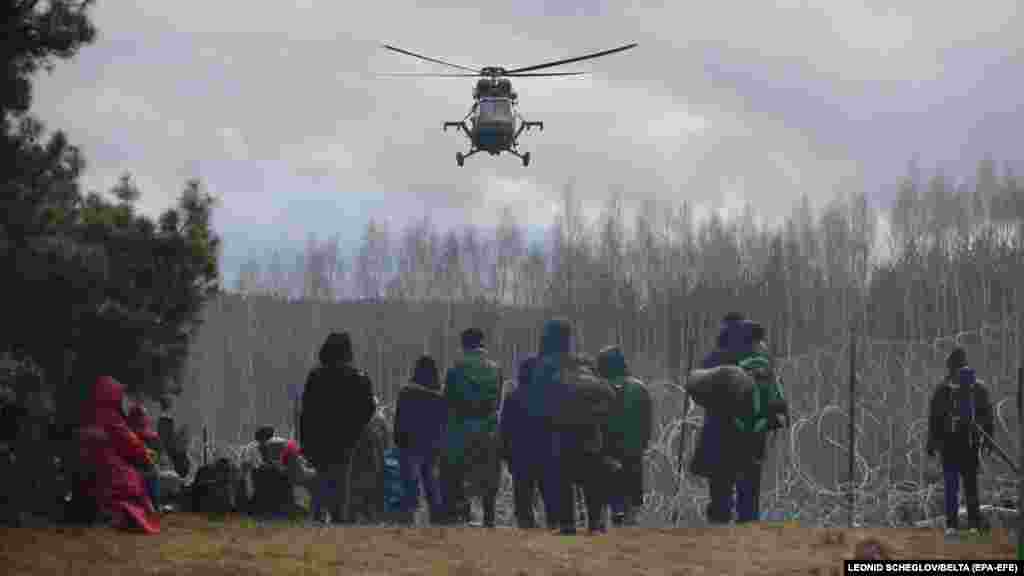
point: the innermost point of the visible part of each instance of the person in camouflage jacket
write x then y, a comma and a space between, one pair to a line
473, 388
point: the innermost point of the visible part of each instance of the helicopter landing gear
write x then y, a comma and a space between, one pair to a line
460, 158
525, 156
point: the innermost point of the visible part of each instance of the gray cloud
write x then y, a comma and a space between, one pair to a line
272, 104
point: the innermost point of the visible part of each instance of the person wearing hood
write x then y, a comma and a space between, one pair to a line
113, 456
711, 460
473, 389
521, 434
421, 416
629, 431
960, 425
337, 405
575, 455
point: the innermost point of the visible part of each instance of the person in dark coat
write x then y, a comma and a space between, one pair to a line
711, 460
337, 405
421, 417
586, 466
521, 434
576, 454
960, 424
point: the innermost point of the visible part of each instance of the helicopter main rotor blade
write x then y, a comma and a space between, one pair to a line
428, 59
427, 75
570, 60
543, 74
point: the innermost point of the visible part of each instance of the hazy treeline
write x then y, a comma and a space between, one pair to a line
945, 260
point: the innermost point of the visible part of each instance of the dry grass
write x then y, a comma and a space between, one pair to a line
194, 545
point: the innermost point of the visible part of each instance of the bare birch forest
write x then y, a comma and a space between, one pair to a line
953, 264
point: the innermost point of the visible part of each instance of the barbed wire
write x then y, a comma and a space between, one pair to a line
798, 495
799, 492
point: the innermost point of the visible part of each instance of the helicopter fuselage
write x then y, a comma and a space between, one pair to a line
493, 124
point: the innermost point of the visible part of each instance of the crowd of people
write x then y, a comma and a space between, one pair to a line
568, 423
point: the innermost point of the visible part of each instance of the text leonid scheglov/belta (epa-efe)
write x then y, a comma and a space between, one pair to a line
932, 567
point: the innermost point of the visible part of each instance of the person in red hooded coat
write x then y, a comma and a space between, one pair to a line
114, 455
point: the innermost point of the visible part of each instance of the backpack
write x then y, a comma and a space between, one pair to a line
587, 399
960, 417
766, 399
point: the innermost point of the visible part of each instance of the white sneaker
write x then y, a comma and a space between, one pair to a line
951, 531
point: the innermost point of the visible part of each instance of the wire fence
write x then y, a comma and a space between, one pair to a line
250, 356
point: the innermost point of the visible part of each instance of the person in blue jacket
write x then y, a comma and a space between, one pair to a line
711, 460
420, 422
521, 435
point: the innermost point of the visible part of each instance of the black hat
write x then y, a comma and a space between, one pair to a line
425, 373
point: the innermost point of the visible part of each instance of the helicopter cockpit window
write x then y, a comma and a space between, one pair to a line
496, 109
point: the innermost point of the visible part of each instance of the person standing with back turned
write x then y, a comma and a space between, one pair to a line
629, 431
473, 388
420, 419
770, 412
712, 459
959, 412
337, 404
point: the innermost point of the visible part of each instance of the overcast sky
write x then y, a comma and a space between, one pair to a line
272, 104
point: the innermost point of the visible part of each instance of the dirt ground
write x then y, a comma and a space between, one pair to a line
198, 546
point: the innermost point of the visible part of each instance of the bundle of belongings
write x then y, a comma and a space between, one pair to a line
747, 393
214, 489
272, 468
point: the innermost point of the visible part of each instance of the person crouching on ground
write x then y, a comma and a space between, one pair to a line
960, 424
421, 417
113, 455
272, 467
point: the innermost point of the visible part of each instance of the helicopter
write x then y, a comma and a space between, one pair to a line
491, 124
